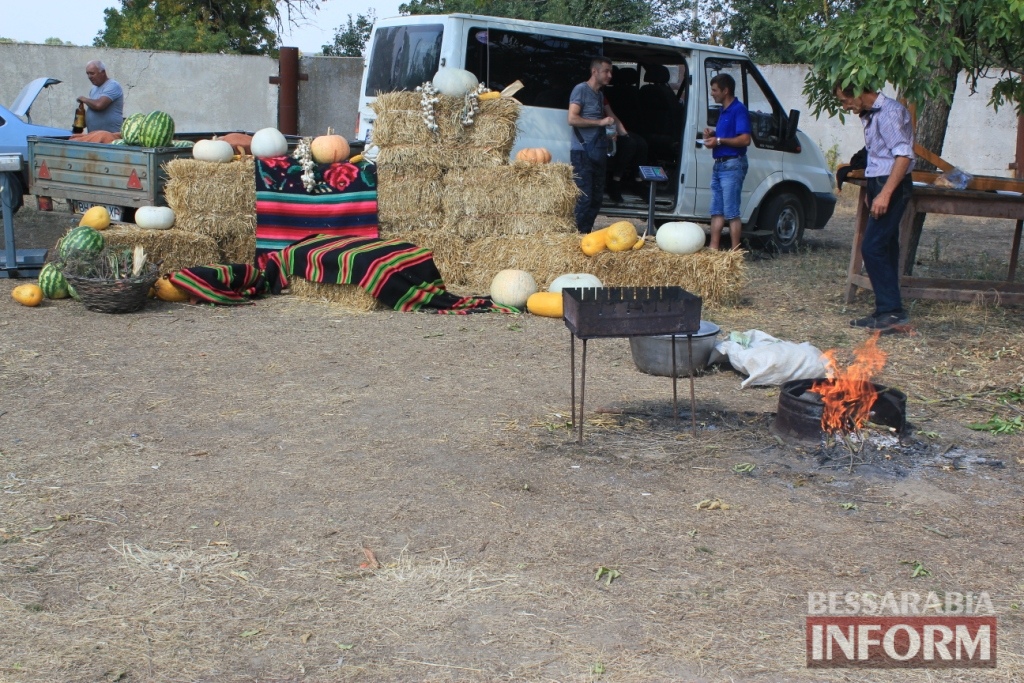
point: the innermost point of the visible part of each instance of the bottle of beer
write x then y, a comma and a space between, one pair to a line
79, 125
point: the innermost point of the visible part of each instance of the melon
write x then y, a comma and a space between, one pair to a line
216, 151
512, 288
268, 142
82, 238
97, 218
157, 130
455, 82
52, 282
154, 217
131, 128
183, 143
680, 237
574, 280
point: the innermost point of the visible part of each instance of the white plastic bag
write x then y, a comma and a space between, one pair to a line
767, 360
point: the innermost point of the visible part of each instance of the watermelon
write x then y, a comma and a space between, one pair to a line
119, 141
82, 238
157, 130
183, 143
52, 282
131, 128
72, 293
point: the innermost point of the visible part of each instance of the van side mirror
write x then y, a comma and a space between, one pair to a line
792, 124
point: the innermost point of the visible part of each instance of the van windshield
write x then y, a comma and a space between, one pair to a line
403, 57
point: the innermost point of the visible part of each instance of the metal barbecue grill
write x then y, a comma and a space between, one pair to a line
593, 312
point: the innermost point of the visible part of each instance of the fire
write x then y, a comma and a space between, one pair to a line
849, 393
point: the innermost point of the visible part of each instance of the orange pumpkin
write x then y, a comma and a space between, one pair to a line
168, 291
329, 149
534, 155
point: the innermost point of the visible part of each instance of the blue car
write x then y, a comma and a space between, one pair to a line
15, 127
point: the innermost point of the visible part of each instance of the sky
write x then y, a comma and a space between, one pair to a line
79, 21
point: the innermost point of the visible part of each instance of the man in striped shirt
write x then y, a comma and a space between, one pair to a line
889, 139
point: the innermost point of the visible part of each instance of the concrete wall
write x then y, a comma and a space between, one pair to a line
228, 92
202, 92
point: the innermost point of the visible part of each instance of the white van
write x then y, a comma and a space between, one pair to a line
788, 186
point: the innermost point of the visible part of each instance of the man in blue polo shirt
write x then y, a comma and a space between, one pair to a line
729, 141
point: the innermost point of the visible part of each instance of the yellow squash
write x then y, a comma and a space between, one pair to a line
547, 304
593, 243
168, 291
27, 295
620, 236
97, 218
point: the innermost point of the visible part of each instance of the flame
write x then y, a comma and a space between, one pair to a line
849, 393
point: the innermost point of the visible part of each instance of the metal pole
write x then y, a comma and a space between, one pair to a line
583, 387
675, 402
288, 93
693, 398
7, 201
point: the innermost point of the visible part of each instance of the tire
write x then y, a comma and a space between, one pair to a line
785, 218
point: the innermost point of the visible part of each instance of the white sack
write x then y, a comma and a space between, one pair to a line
767, 360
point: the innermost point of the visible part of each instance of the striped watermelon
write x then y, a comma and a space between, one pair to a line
119, 141
157, 130
52, 282
82, 238
131, 128
183, 143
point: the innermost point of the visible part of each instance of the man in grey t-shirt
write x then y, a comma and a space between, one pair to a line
105, 104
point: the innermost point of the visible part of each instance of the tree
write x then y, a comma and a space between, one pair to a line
351, 40
921, 48
235, 26
56, 41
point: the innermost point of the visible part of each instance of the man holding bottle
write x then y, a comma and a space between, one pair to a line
105, 104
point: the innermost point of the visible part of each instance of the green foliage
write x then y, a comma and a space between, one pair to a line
351, 40
904, 42
56, 41
234, 26
6, 41
998, 425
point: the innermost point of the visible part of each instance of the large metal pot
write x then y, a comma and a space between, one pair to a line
653, 355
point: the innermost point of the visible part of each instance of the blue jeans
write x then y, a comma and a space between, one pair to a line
881, 246
589, 177
727, 186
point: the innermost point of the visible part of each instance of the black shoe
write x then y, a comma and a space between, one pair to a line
891, 322
867, 321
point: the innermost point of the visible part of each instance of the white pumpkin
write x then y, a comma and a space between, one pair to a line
268, 142
680, 238
154, 217
455, 82
216, 151
512, 288
574, 280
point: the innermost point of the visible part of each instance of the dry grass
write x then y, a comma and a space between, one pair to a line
350, 297
216, 200
173, 249
409, 198
518, 199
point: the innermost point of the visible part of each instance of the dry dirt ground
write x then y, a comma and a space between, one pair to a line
291, 492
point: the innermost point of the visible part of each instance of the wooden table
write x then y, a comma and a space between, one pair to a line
931, 199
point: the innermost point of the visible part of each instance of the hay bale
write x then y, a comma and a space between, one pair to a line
216, 200
350, 297
403, 137
176, 249
408, 198
520, 199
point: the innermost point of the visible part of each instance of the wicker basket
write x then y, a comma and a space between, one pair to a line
115, 296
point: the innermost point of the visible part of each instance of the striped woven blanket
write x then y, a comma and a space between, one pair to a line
342, 202
398, 274
226, 283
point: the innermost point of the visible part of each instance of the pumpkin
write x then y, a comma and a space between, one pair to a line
154, 217
547, 304
217, 151
97, 218
680, 238
329, 149
534, 155
620, 236
593, 243
574, 280
268, 142
492, 95
455, 82
168, 291
512, 288
27, 295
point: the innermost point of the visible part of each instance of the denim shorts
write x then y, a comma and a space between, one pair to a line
726, 186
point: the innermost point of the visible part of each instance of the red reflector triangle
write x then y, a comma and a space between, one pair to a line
133, 181
44, 173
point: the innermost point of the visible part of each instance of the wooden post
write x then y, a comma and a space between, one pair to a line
287, 81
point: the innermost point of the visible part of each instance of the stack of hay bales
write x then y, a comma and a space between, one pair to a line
215, 216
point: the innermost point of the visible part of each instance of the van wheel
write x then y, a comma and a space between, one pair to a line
785, 219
